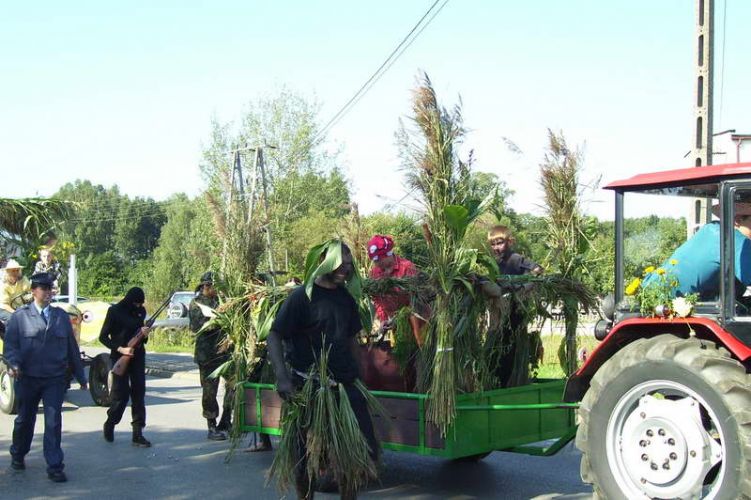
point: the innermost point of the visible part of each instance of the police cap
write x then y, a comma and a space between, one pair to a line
42, 279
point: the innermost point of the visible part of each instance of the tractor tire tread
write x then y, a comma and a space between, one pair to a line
715, 364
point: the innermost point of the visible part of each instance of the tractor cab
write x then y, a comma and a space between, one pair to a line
708, 264
665, 395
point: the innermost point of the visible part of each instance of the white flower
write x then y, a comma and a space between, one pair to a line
682, 308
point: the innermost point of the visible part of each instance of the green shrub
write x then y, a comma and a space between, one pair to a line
170, 339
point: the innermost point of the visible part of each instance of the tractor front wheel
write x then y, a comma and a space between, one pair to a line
668, 417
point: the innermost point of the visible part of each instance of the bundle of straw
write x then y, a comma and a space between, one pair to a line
319, 422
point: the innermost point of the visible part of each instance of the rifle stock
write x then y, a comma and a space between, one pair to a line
121, 365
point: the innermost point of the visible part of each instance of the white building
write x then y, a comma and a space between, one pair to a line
731, 147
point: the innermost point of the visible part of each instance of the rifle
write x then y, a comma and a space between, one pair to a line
121, 366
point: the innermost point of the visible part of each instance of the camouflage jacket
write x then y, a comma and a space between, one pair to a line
207, 341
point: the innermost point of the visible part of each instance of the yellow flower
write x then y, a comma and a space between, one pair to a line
660, 271
649, 269
633, 286
673, 262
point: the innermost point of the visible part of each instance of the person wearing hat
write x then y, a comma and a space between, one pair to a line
124, 321
12, 290
209, 356
39, 347
695, 265
387, 264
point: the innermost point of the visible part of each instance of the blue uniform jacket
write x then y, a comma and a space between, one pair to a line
42, 349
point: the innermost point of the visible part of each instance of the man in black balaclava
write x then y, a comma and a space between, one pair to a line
124, 321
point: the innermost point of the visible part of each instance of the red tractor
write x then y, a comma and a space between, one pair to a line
665, 400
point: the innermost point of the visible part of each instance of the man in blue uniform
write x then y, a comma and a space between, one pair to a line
39, 347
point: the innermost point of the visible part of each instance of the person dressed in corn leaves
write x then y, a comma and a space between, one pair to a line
208, 357
510, 263
318, 324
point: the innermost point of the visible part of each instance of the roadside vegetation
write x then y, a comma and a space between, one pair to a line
163, 246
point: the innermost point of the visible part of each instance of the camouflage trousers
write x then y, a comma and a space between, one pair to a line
209, 390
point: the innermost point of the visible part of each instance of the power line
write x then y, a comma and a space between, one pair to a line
107, 218
393, 56
404, 49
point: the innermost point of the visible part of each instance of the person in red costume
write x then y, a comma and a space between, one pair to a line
386, 264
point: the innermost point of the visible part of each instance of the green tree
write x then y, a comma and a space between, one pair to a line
302, 179
188, 246
111, 234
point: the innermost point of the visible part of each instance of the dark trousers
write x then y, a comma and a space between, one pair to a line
30, 390
209, 390
131, 386
360, 408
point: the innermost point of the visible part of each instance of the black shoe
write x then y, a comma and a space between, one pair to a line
216, 435
17, 464
109, 432
57, 476
138, 439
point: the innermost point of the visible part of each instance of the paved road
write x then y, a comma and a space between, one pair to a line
182, 464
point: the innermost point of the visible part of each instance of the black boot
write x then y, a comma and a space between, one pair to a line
109, 431
138, 439
214, 433
225, 423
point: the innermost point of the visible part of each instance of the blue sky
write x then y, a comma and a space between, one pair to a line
124, 93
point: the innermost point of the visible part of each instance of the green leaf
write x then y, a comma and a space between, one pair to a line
332, 250
457, 218
221, 370
264, 327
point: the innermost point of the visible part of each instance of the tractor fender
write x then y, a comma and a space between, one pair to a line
632, 329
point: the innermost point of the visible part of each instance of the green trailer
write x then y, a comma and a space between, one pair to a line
516, 419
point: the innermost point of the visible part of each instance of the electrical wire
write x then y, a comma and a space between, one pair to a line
387, 63
399, 54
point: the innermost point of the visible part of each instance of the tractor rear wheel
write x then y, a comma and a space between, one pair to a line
100, 379
668, 417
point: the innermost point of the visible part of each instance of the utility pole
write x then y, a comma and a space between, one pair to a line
236, 182
701, 151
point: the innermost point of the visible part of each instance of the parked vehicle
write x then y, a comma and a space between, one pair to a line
665, 399
177, 311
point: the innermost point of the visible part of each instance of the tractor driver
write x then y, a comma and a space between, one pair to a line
695, 264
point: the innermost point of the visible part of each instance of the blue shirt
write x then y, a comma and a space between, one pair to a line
697, 263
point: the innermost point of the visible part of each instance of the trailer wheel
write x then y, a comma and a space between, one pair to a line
8, 401
100, 379
668, 418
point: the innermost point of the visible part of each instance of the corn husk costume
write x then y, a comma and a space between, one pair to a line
321, 433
